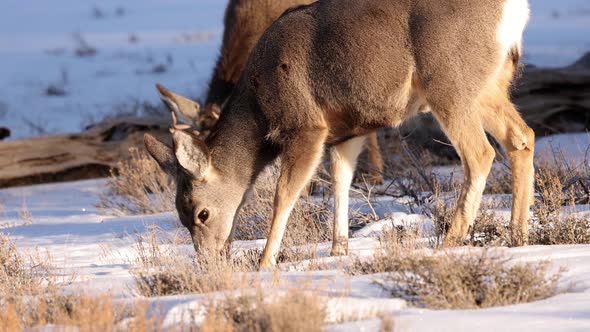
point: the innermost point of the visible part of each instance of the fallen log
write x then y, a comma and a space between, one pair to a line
555, 100
67, 157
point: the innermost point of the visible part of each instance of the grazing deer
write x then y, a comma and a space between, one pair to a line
245, 21
328, 73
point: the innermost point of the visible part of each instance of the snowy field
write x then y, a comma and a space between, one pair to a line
141, 42
99, 249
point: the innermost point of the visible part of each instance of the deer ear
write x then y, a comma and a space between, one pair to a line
192, 153
179, 104
163, 154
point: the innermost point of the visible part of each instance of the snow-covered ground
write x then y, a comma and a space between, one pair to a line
141, 42
99, 248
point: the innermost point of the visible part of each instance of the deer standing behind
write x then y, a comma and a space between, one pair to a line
328, 73
245, 21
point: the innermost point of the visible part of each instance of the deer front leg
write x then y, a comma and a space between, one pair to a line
343, 161
299, 162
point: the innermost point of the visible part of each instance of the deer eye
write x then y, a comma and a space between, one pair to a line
203, 215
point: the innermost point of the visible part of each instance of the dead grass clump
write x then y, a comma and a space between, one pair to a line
489, 230
387, 324
31, 296
564, 230
449, 280
393, 240
445, 280
77, 312
19, 277
295, 311
552, 225
440, 208
138, 186
573, 175
414, 175
467, 281
162, 267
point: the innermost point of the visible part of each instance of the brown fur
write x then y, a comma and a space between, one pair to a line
244, 22
334, 70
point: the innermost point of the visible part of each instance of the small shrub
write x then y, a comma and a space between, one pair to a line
138, 186
440, 208
551, 224
563, 230
295, 311
447, 280
488, 228
31, 297
77, 312
393, 240
19, 277
467, 281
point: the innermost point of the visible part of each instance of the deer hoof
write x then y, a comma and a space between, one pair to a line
339, 251
266, 263
452, 241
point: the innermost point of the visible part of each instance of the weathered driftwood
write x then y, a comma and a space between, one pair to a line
89, 154
555, 100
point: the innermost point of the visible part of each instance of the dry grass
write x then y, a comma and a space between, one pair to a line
296, 311
20, 276
387, 324
24, 214
440, 207
138, 186
77, 312
31, 296
163, 268
489, 230
467, 281
447, 280
551, 224
414, 174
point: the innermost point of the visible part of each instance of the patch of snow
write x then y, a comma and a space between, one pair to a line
99, 248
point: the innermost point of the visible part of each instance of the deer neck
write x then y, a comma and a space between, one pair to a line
238, 147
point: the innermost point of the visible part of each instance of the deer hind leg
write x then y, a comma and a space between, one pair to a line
299, 162
375, 159
504, 122
343, 162
466, 132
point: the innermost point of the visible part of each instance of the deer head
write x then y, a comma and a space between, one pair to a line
206, 200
